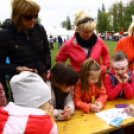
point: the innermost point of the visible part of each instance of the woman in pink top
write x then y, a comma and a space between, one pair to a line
84, 44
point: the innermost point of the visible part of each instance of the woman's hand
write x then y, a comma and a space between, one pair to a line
95, 107
23, 68
129, 110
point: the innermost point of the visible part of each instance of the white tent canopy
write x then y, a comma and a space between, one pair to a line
117, 34
55, 32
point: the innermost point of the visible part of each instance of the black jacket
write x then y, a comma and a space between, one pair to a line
31, 51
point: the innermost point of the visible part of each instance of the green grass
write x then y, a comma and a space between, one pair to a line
54, 53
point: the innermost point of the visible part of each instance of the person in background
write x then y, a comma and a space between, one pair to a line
31, 111
24, 41
90, 93
61, 80
126, 44
51, 41
84, 44
119, 81
59, 41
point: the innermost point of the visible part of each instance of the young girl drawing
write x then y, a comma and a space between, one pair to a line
62, 79
90, 94
119, 81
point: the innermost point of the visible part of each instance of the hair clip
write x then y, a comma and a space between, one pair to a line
93, 60
48, 76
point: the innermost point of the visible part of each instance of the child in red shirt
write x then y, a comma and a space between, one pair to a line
119, 81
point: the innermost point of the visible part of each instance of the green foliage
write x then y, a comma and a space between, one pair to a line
38, 20
0, 25
66, 23
129, 11
103, 8
102, 20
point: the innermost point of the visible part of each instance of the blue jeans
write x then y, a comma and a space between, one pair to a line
118, 131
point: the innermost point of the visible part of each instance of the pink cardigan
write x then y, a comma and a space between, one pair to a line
77, 54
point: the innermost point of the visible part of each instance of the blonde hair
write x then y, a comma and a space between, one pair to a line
79, 16
86, 68
20, 8
131, 29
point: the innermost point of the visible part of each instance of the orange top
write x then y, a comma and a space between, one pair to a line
82, 100
127, 45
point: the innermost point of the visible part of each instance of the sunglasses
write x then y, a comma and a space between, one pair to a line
30, 17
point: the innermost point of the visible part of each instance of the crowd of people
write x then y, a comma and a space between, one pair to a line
54, 93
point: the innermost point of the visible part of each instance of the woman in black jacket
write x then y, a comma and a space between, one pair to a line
24, 41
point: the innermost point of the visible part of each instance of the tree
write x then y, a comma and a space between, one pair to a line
129, 11
38, 20
116, 11
66, 23
102, 20
103, 10
0, 25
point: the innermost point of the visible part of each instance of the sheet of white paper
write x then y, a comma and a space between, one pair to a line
108, 115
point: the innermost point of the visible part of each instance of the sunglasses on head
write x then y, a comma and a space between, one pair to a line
30, 17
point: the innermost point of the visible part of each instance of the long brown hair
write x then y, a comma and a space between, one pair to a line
87, 66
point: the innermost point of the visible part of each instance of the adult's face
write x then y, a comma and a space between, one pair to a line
85, 34
27, 21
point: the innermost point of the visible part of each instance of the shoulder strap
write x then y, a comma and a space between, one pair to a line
112, 79
89, 52
130, 75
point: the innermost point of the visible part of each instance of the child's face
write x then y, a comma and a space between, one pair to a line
66, 89
120, 70
94, 77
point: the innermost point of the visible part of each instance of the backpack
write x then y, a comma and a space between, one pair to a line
114, 81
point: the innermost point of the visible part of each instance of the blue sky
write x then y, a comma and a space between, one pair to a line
53, 12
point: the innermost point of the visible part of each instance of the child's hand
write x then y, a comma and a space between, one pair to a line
129, 109
65, 115
67, 109
94, 108
99, 104
118, 78
125, 78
